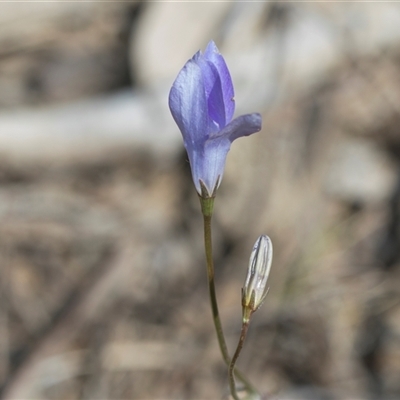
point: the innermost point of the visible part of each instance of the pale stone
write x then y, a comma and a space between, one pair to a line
90, 126
58, 51
360, 172
170, 33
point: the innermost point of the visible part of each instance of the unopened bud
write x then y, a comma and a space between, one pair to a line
255, 287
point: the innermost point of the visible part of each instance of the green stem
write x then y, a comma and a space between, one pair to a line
211, 287
232, 385
207, 209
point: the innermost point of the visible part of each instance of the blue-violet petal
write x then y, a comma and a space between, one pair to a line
213, 55
244, 125
188, 104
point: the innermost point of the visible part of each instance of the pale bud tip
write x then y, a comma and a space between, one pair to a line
255, 286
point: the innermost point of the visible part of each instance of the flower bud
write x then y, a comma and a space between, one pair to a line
255, 290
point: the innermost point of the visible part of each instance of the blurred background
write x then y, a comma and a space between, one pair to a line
102, 278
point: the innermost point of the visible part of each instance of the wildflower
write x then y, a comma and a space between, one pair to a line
255, 290
202, 103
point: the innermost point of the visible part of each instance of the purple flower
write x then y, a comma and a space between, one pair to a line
202, 103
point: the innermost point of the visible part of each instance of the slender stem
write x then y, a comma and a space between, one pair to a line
207, 207
232, 385
211, 287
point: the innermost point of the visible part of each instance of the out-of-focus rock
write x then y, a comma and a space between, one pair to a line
365, 27
169, 33
62, 51
85, 128
295, 46
367, 98
291, 49
360, 173
307, 393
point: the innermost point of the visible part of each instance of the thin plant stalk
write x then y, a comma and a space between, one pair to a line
232, 385
207, 207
